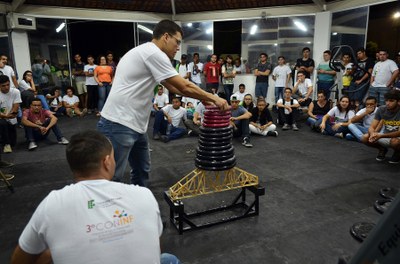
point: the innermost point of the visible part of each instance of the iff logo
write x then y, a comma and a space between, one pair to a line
90, 204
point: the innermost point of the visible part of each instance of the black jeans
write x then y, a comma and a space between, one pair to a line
34, 134
8, 133
242, 128
288, 118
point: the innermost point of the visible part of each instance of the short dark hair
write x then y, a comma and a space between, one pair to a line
85, 151
360, 49
89, 56
242, 85
287, 88
36, 100
305, 48
281, 57
194, 54
371, 98
175, 97
4, 79
70, 88
301, 72
321, 92
392, 94
328, 52
263, 53
166, 26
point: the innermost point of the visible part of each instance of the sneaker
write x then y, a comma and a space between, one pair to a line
350, 137
32, 145
285, 127
295, 128
246, 142
395, 158
272, 133
7, 148
63, 141
382, 154
7, 176
156, 136
89, 112
84, 112
164, 138
339, 135
190, 132
5, 164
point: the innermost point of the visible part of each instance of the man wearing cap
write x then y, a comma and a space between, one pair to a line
182, 67
240, 121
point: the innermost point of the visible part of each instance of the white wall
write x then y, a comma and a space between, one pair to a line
20, 46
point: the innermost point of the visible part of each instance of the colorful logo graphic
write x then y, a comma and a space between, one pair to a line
120, 214
90, 204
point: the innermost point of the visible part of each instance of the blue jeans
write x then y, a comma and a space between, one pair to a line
167, 258
161, 125
278, 93
325, 86
44, 101
104, 91
378, 93
261, 89
129, 146
34, 134
329, 130
228, 89
358, 130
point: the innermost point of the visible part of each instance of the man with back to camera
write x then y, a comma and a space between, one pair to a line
94, 220
125, 116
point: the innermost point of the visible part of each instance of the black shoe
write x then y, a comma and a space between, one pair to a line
382, 154
164, 138
395, 158
156, 136
272, 133
246, 142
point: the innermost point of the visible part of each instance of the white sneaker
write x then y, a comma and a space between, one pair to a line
32, 145
7, 148
63, 141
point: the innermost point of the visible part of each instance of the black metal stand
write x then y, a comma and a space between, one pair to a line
183, 221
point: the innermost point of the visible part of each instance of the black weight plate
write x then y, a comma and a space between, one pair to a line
216, 148
382, 205
388, 193
203, 157
219, 163
216, 135
214, 168
207, 138
215, 130
212, 143
224, 152
361, 230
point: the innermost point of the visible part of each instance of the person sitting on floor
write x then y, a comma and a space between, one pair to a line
248, 102
193, 125
189, 110
317, 109
71, 104
384, 131
160, 99
261, 120
303, 89
288, 110
240, 121
56, 103
363, 119
112, 222
341, 114
28, 91
186, 100
38, 123
241, 93
10, 99
166, 122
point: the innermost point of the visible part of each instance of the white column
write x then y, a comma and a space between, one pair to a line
322, 35
180, 51
20, 46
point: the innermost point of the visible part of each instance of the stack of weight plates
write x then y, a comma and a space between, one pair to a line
215, 151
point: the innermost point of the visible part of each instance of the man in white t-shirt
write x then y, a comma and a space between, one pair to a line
383, 76
287, 109
125, 116
91, 85
160, 100
10, 98
241, 93
193, 125
303, 89
166, 122
281, 75
195, 68
363, 119
71, 104
93, 220
182, 67
186, 100
8, 71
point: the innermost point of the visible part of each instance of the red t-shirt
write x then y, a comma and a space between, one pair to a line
212, 71
38, 118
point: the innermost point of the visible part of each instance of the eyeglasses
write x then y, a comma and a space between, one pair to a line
178, 41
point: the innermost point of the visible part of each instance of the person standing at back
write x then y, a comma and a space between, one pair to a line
262, 72
125, 116
305, 63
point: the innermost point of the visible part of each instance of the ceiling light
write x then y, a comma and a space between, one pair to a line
334, 33
396, 15
308, 42
60, 27
253, 29
210, 47
189, 24
209, 31
300, 25
276, 44
145, 29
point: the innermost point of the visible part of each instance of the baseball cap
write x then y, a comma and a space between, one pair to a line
234, 98
184, 56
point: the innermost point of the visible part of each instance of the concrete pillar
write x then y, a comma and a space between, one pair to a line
20, 47
322, 35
